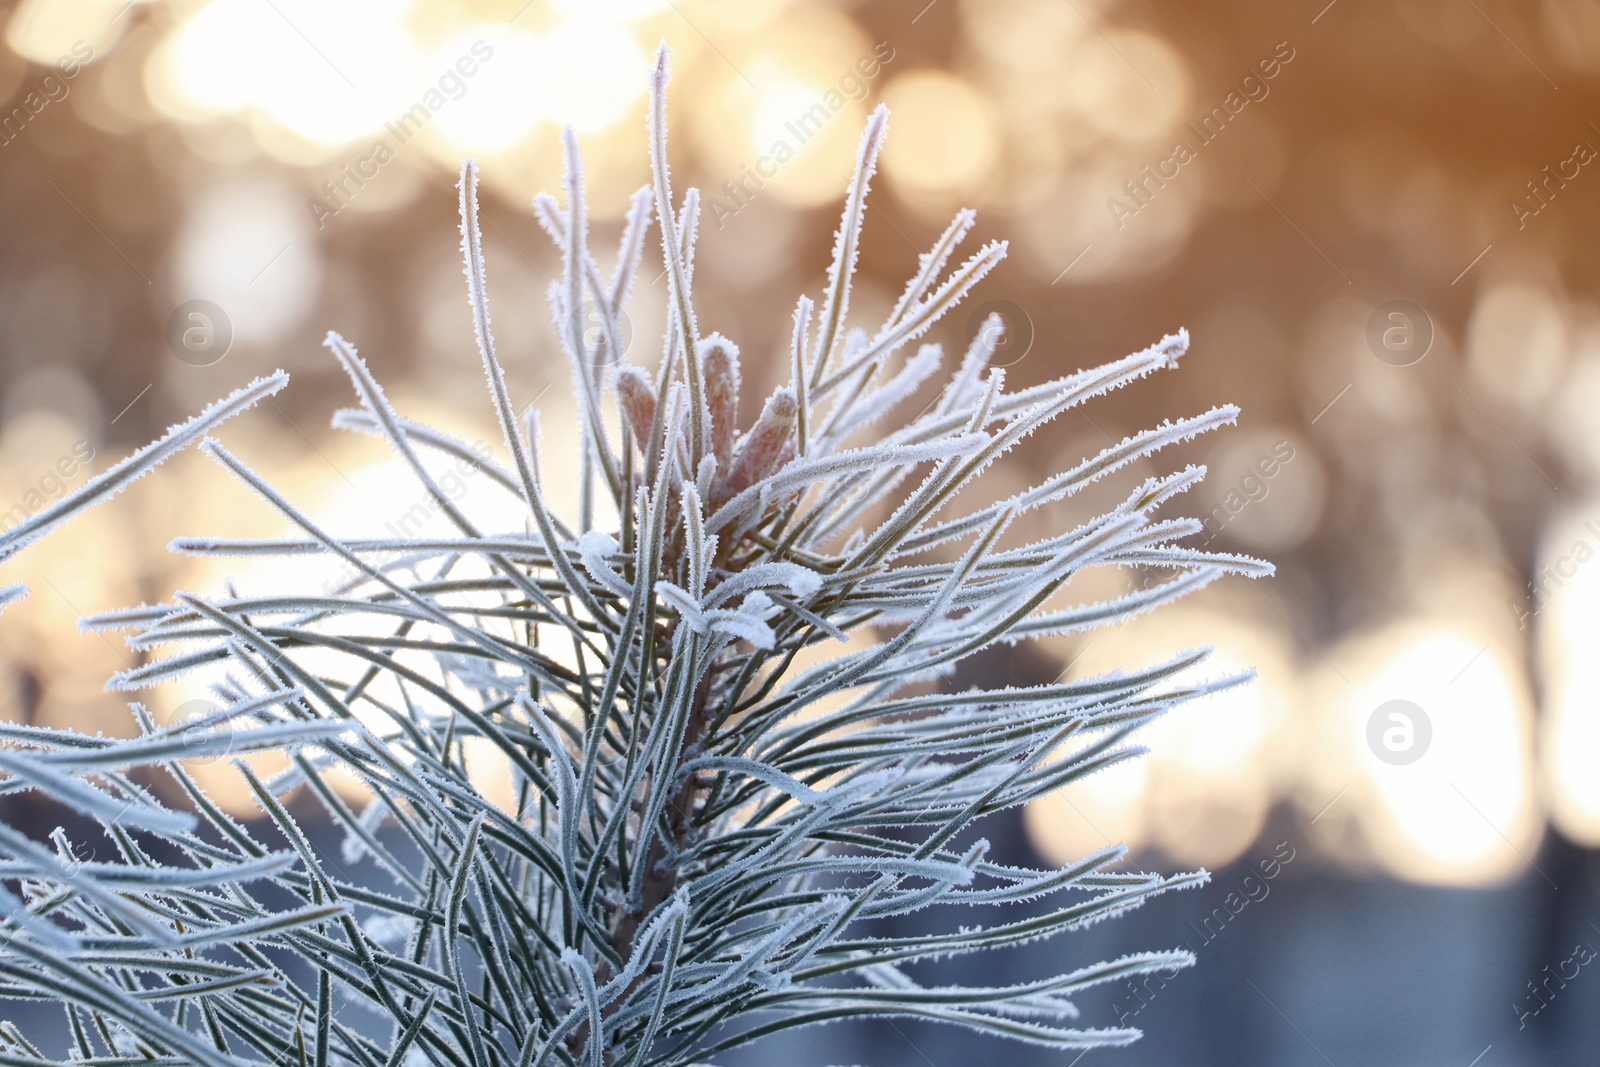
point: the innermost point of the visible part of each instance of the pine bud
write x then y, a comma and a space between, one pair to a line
637, 398
719, 363
765, 444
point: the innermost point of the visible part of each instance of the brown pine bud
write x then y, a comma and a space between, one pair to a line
637, 398
765, 445
719, 367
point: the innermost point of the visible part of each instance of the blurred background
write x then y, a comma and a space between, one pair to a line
1378, 222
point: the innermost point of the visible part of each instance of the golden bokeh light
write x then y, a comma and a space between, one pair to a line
1465, 810
1517, 343
239, 56
45, 31
1130, 86
392, 73
945, 142
1235, 748
1103, 809
1563, 608
786, 119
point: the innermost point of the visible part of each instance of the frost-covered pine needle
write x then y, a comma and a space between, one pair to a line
730, 738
